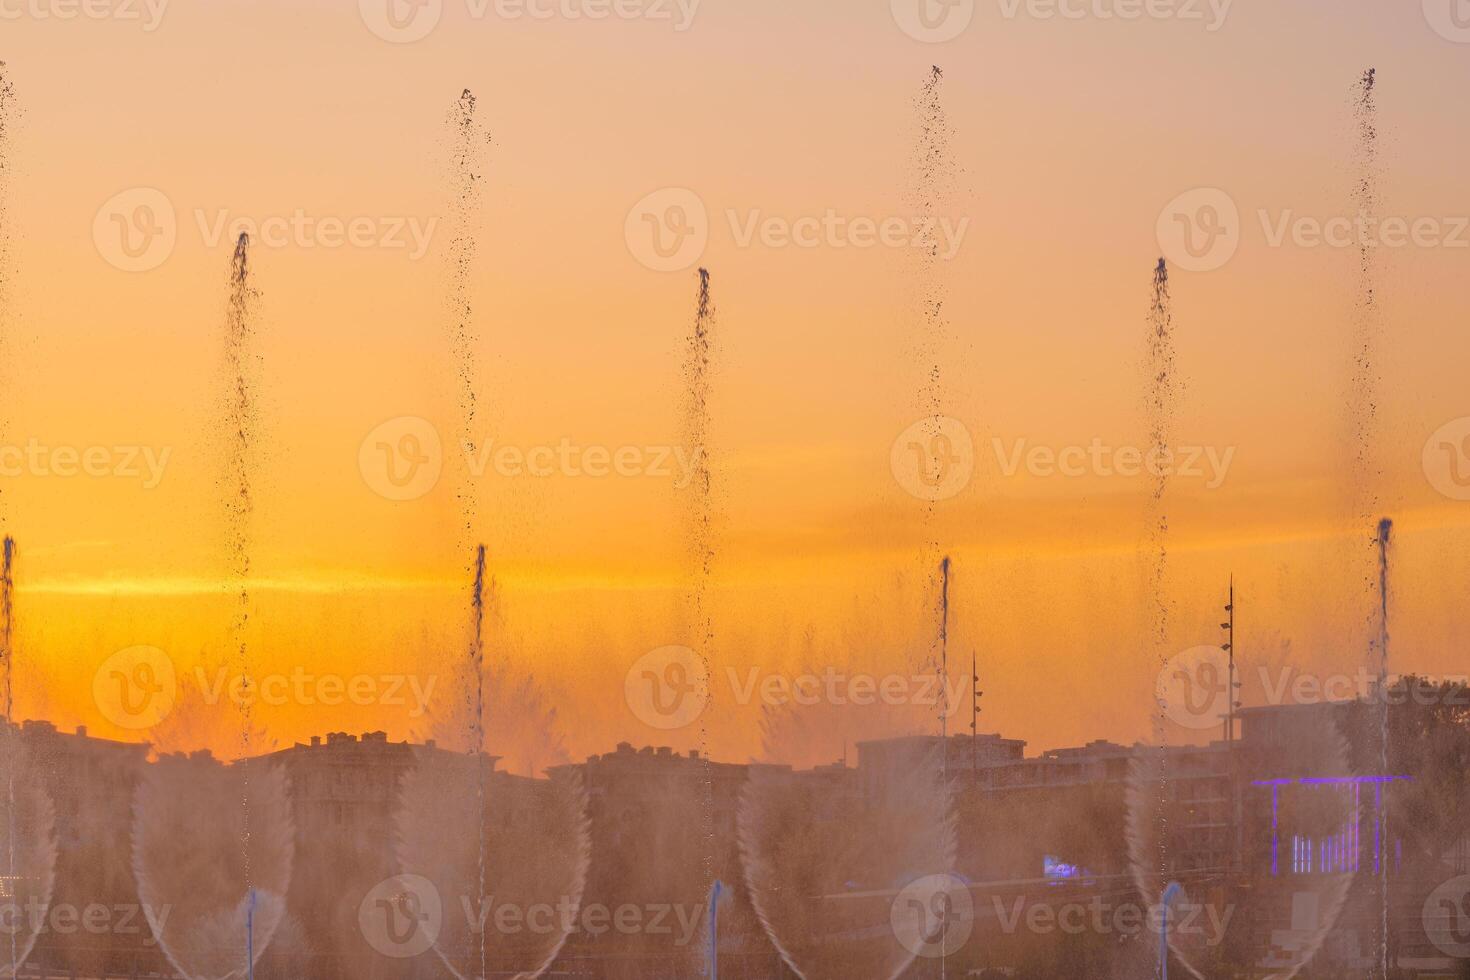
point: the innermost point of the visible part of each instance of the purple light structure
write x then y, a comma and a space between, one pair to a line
1342, 851
1275, 834
1058, 872
1377, 826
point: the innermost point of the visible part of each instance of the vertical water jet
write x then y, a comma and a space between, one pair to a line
466, 179
695, 423
239, 504
7, 105
1160, 409
1366, 326
465, 185
1148, 791
240, 426
931, 178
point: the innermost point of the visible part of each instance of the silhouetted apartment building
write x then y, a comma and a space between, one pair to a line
1292, 799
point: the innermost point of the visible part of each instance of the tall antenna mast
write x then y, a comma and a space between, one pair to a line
1231, 704
975, 694
1229, 647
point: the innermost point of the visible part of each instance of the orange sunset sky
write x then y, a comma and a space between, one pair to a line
1070, 136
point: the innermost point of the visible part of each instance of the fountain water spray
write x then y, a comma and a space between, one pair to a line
716, 891
465, 188
1363, 394
1363, 415
7, 652
485, 835
189, 810
238, 508
1160, 408
29, 828
7, 104
8, 114
240, 421
698, 357
931, 178
466, 181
